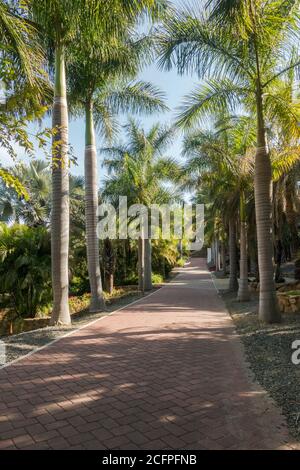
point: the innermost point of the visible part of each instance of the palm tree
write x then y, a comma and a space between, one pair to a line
138, 170
34, 209
285, 201
97, 90
19, 43
222, 171
24, 87
245, 58
60, 23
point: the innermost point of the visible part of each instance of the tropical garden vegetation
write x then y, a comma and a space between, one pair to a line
240, 151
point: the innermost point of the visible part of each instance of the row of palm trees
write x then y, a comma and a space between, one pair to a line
139, 169
222, 165
87, 46
245, 52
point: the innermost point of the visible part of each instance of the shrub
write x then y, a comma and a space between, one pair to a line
157, 278
25, 269
181, 262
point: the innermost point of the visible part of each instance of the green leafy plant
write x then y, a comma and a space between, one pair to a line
25, 269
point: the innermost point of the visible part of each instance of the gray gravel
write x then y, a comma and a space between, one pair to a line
24, 343
268, 350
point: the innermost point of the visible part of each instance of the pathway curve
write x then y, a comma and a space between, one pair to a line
166, 372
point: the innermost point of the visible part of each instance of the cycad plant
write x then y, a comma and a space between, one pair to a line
242, 49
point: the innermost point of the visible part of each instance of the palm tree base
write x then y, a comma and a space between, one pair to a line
268, 311
233, 285
60, 311
243, 297
243, 292
60, 320
97, 305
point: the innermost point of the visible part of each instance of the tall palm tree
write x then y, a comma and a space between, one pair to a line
98, 90
223, 173
245, 59
60, 23
138, 170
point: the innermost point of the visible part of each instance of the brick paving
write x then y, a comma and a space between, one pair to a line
167, 372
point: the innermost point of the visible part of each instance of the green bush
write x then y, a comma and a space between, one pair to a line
157, 278
25, 268
181, 262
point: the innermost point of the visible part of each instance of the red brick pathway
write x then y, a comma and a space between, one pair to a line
165, 373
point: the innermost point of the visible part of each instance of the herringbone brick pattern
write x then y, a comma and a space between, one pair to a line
165, 373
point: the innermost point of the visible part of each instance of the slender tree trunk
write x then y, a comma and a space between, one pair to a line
268, 306
124, 259
223, 258
108, 265
291, 214
109, 282
91, 205
217, 255
233, 281
278, 259
243, 292
148, 264
141, 261
60, 197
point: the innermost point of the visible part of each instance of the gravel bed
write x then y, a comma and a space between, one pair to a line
268, 352
24, 343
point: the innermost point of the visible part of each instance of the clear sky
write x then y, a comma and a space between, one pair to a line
174, 86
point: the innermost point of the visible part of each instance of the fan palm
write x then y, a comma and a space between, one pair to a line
35, 208
245, 58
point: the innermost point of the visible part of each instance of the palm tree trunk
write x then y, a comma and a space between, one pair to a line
268, 306
124, 259
141, 260
223, 258
233, 282
60, 197
91, 205
291, 214
243, 292
148, 264
216, 249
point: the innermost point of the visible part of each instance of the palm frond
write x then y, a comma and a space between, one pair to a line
211, 97
135, 97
